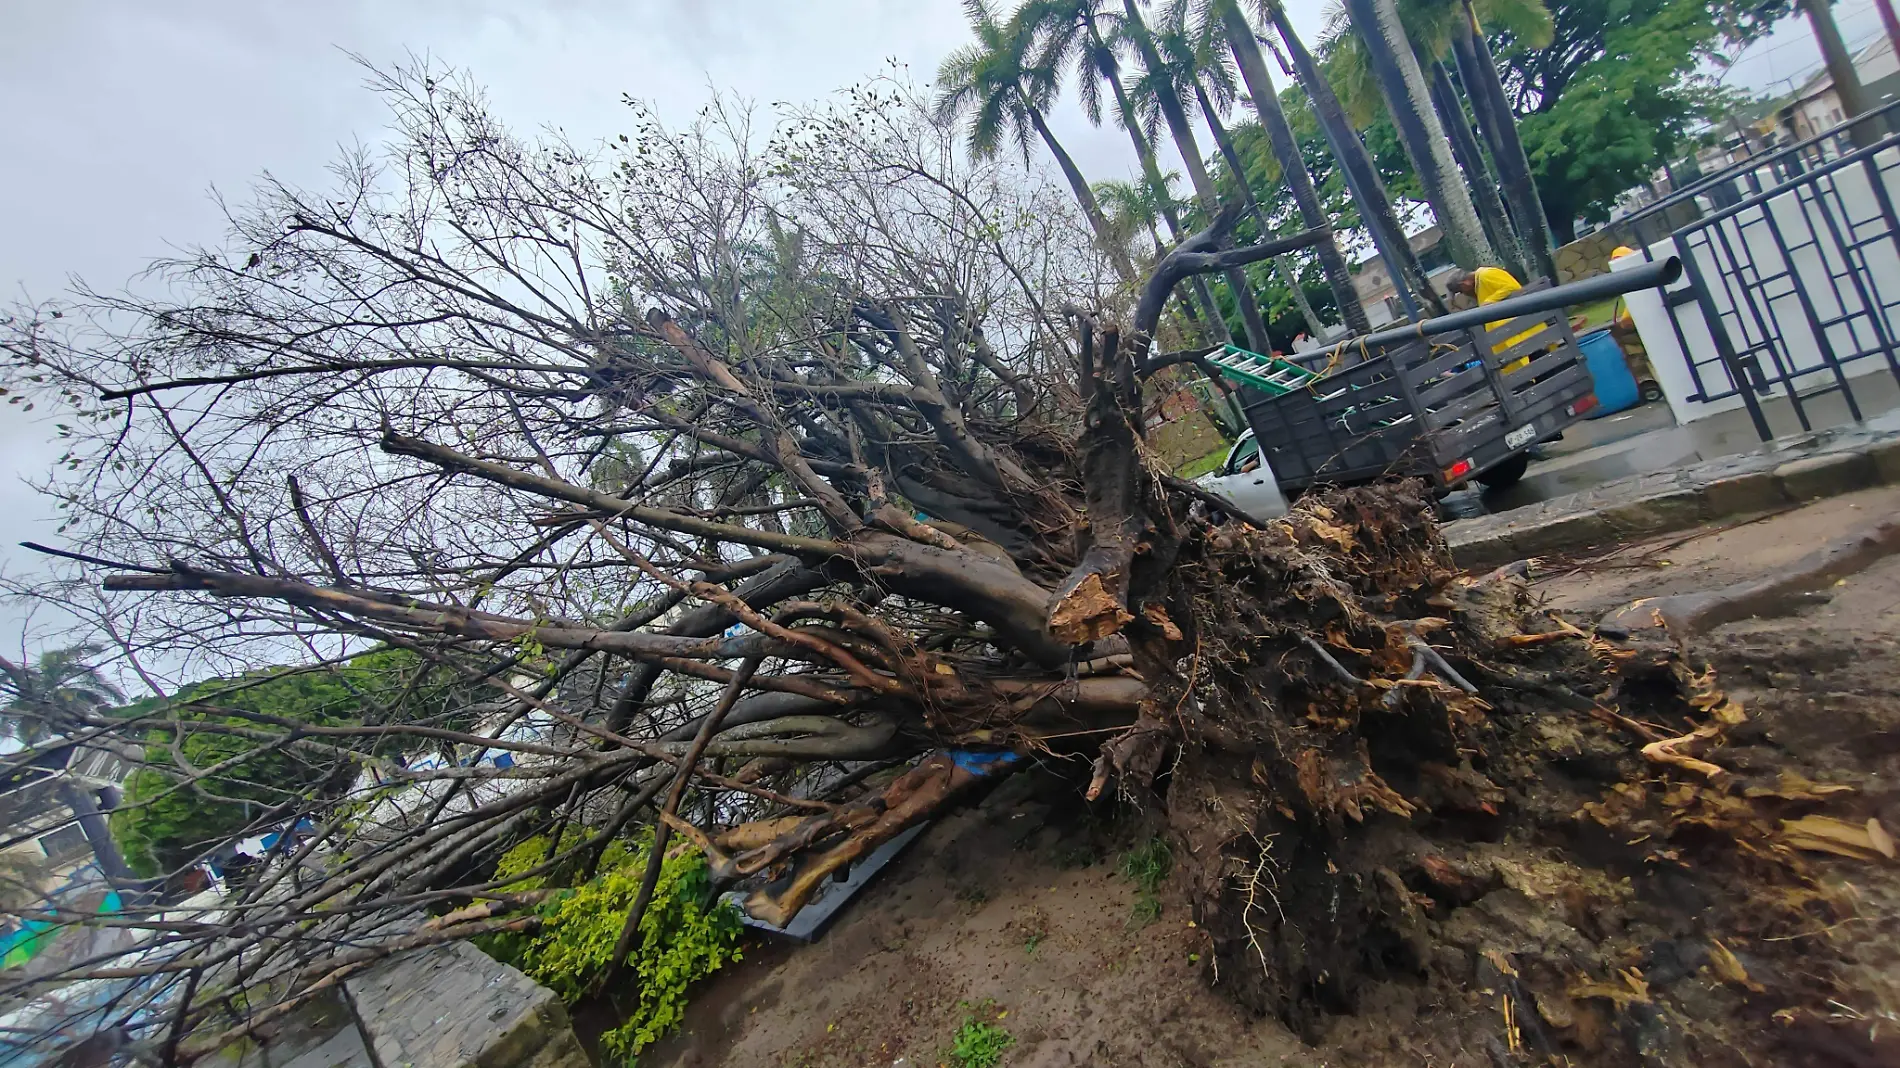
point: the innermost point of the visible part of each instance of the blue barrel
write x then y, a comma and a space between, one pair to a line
1615, 386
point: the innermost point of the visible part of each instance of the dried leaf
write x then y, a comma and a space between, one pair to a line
1825, 834
1728, 968
1339, 536
1796, 787
1631, 991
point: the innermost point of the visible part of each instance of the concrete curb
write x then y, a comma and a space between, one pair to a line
1792, 470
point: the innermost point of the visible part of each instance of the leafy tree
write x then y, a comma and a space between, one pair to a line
1602, 124
162, 824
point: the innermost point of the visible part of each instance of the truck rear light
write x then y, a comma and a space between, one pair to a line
1582, 405
1458, 470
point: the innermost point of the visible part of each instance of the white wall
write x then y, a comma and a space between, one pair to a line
1801, 224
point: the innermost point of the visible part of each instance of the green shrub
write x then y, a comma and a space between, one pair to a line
1147, 866
979, 1043
684, 936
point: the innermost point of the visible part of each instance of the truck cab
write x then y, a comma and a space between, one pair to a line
1246, 478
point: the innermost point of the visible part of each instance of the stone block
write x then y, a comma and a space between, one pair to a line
1755, 491
1827, 475
1885, 458
1670, 510
1561, 532
1493, 549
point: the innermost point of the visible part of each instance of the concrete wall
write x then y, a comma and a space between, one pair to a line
1750, 239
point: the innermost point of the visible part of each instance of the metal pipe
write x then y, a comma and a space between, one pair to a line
1659, 273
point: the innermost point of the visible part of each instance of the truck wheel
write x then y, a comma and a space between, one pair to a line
1507, 473
1650, 391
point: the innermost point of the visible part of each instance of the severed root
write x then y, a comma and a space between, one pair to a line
908, 800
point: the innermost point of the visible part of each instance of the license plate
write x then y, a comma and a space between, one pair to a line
1522, 436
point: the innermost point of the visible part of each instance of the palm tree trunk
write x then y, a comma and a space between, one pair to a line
1183, 135
1151, 170
1362, 178
1470, 158
1402, 84
1232, 156
1104, 237
1266, 104
1283, 266
1499, 127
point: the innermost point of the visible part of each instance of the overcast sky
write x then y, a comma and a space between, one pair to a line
124, 115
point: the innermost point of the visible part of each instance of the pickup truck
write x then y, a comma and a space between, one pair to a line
1246, 478
1436, 404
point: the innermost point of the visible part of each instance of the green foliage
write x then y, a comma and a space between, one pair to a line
1622, 112
980, 1043
684, 935
159, 826
1147, 866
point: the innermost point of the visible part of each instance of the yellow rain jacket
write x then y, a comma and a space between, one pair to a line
1493, 285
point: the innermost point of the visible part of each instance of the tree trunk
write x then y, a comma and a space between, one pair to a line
1368, 190
1183, 135
1407, 97
1266, 104
1104, 239
1232, 158
1840, 68
1484, 190
1283, 266
1499, 127
1151, 170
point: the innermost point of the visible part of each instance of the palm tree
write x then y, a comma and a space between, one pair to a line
47, 698
1478, 178
1158, 92
1442, 28
42, 699
1134, 210
1210, 111
1239, 35
1085, 34
994, 80
1355, 163
1492, 108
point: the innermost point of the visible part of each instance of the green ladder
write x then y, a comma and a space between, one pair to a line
1268, 374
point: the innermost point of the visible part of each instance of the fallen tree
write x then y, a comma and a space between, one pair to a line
752, 493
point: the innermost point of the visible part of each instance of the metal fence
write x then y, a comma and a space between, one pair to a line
1797, 282
1759, 173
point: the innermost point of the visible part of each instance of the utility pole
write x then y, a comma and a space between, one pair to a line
1840, 68
1892, 24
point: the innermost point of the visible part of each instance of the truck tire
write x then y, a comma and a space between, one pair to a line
1507, 473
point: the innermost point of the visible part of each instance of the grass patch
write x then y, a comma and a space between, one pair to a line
1596, 314
980, 1043
1205, 465
1147, 866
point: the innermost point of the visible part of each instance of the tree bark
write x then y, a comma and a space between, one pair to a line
1286, 149
1484, 191
1183, 135
1499, 126
1368, 190
1232, 158
1084, 196
1151, 170
1408, 98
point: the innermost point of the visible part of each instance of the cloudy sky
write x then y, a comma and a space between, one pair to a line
125, 115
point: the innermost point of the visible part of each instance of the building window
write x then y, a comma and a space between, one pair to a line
1835, 115
63, 843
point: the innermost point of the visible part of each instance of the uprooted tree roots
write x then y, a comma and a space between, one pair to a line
1379, 769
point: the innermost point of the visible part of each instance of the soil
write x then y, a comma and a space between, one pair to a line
1663, 929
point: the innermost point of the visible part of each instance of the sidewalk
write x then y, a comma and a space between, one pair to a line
1646, 439
1660, 495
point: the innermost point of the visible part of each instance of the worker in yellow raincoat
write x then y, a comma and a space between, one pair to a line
1488, 285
